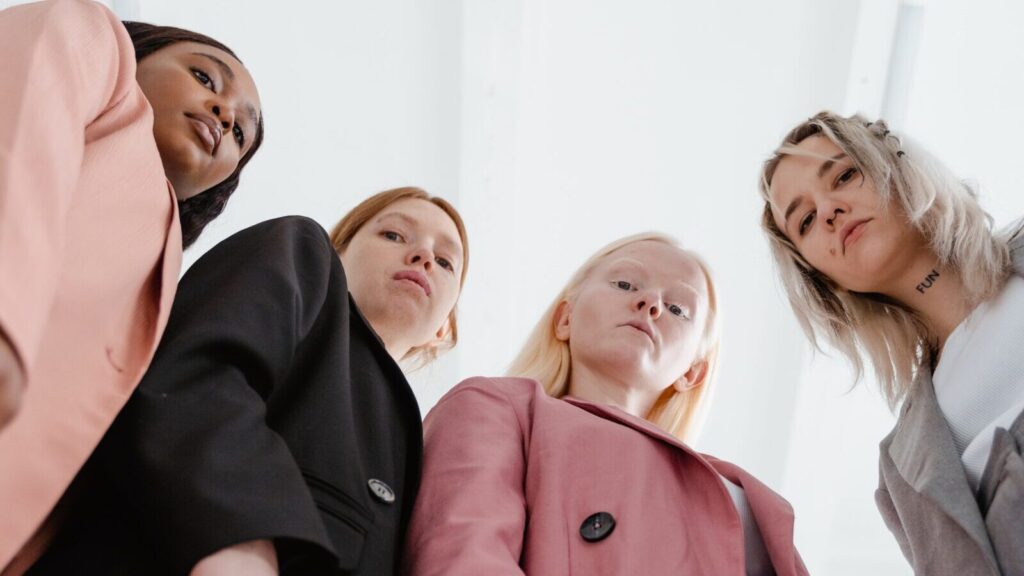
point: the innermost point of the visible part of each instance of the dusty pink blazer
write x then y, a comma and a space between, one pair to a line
510, 474
90, 245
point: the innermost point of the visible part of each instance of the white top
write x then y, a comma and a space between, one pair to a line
979, 381
757, 560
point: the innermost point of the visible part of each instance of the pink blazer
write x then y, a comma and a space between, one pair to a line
511, 474
90, 245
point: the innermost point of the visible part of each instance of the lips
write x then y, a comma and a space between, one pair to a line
415, 277
852, 232
207, 130
641, 326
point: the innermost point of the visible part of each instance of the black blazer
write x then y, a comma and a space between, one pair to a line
271, 410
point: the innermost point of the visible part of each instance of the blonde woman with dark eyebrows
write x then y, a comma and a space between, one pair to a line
888, 257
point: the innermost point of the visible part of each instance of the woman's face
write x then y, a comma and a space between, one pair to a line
205, 112
404, 268
639, 317
836, 219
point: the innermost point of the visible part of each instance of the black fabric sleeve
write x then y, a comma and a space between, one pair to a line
194, 455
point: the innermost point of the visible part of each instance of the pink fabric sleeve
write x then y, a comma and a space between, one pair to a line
471, 510
64, 62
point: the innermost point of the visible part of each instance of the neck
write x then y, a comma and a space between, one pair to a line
936, 294
396, 346
591, 386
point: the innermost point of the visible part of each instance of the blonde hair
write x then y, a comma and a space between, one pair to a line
351, 223
942, 208
547, 359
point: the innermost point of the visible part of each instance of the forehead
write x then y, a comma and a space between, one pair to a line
660, 260
798, 170
804, 161
423, 214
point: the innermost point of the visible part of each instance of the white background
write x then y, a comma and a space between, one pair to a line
558, 125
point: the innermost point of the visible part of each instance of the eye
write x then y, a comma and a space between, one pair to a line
678, 311
203, 78
806, 222
846, 176
444, 263
391, 235
239, 135
623, 285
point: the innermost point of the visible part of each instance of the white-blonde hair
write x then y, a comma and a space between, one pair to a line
946, 212
547, 359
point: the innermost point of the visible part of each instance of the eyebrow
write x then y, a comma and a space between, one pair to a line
626, 262
827, 164
446, 241
622, 262
790, 209
224, 68
250, 110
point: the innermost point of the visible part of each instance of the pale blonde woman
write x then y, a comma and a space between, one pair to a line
576, 464
888, 257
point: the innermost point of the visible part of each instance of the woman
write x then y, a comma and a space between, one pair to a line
275, 430
97, 153
578, 466
884, 253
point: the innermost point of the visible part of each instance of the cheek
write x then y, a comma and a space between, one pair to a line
684, 334
450, 298
222, 170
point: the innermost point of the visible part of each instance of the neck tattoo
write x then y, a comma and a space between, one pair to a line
929, 281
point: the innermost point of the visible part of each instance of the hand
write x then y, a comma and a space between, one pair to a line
255, 558
12, 382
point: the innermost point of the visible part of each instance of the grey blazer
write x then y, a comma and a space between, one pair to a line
924, 497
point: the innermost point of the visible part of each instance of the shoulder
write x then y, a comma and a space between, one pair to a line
292, 251
513, 391
486, 398
78, 24
288, 234
1015, 235
70, 13
79, 45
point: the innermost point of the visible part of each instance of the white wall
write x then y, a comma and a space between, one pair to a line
558, 125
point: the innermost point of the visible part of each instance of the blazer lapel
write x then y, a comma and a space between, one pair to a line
923, 452
773, 514
616, 415
1016, 244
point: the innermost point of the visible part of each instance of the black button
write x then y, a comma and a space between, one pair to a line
381, 491
597, 527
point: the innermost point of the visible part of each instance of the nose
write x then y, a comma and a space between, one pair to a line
650, 304
834, 209
225, 115
420, 255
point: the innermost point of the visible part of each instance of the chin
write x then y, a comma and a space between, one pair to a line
619, 359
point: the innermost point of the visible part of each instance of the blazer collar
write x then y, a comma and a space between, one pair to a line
922, 450
1016, 244
773, 514
921, 447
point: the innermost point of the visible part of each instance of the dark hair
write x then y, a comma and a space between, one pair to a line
199, 210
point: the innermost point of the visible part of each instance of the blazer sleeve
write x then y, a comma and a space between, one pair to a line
192, 451
64, 62
470, 515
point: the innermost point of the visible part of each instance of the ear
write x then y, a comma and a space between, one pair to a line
693, 378
563, 314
